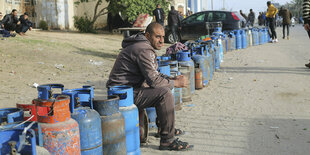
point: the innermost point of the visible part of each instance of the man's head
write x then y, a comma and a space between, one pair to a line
172, 7
240, 11
14, 12
0, 15
25, 15
158, 6
155, 33
251, 10
268, 3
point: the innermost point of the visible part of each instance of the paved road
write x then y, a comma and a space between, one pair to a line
259, 103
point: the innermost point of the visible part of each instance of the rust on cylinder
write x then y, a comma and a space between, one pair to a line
198, 78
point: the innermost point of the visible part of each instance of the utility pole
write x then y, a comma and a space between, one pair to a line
211, 4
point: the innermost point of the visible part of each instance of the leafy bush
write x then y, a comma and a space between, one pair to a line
43, 25
83, 24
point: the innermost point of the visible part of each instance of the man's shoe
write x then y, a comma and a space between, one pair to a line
276, 41
307, 65
13, 35
283, 37
288, 38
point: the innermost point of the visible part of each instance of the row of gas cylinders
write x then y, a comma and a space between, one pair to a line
203, 58
72, 122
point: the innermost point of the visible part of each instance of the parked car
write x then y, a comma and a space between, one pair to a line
194, 26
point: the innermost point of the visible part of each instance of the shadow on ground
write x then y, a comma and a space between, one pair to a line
91, 52
225, 135
267, 70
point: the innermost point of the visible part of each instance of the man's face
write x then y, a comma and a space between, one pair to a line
26, 16
15, 13
157, 37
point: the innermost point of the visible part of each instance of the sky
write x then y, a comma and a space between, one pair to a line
236, 5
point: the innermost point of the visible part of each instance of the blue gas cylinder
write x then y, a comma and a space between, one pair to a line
11, 115
219, 42
261, 36
16, 141
131, 115
177, 93
45, 92
254, 36
238, 39
113, 126
243, 39
210, 53
164, 70
217, 57
266, 35
174, 65
257, 36
81, 108
90, 130
201, 61
185, 61
232, 38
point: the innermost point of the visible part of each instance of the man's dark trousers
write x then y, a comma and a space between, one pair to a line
162, 99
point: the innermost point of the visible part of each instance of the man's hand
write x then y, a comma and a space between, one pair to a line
307, 27
180, 81
18, 23
30, 28
2, 25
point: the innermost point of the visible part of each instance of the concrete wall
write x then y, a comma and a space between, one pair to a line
88, 8
57, 13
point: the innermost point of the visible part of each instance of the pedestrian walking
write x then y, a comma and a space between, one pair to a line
174, 23
286, 21
271, 14
159, 15
306, 18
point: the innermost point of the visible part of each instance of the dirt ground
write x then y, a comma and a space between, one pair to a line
258, 103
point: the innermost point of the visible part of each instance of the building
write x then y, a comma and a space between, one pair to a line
195, 5
57, 13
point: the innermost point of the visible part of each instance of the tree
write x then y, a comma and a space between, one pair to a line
86, 24
132, 8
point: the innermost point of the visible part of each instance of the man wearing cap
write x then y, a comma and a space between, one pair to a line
25, 24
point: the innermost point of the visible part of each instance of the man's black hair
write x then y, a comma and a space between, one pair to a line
150, 28
268, 3
172, 8
251, 9
157, 5
26, 14
14, 10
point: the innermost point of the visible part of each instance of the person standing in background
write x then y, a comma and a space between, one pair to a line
271, 14
174, 22
159, 15
25, 24
306, 18
251, 17
286, 17
243, 15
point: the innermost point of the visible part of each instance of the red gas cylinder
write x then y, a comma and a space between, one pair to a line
60, 133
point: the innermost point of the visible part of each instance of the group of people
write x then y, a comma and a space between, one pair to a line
11, 24
174, 19
269, 19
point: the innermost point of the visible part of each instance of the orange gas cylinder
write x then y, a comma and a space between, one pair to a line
60, 133
198, 78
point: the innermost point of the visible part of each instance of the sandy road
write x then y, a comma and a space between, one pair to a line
258, 103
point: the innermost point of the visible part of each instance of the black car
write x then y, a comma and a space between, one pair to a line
195, 26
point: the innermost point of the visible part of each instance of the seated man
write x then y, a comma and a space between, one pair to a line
10, 21
25, 24
135, 65
4, 33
